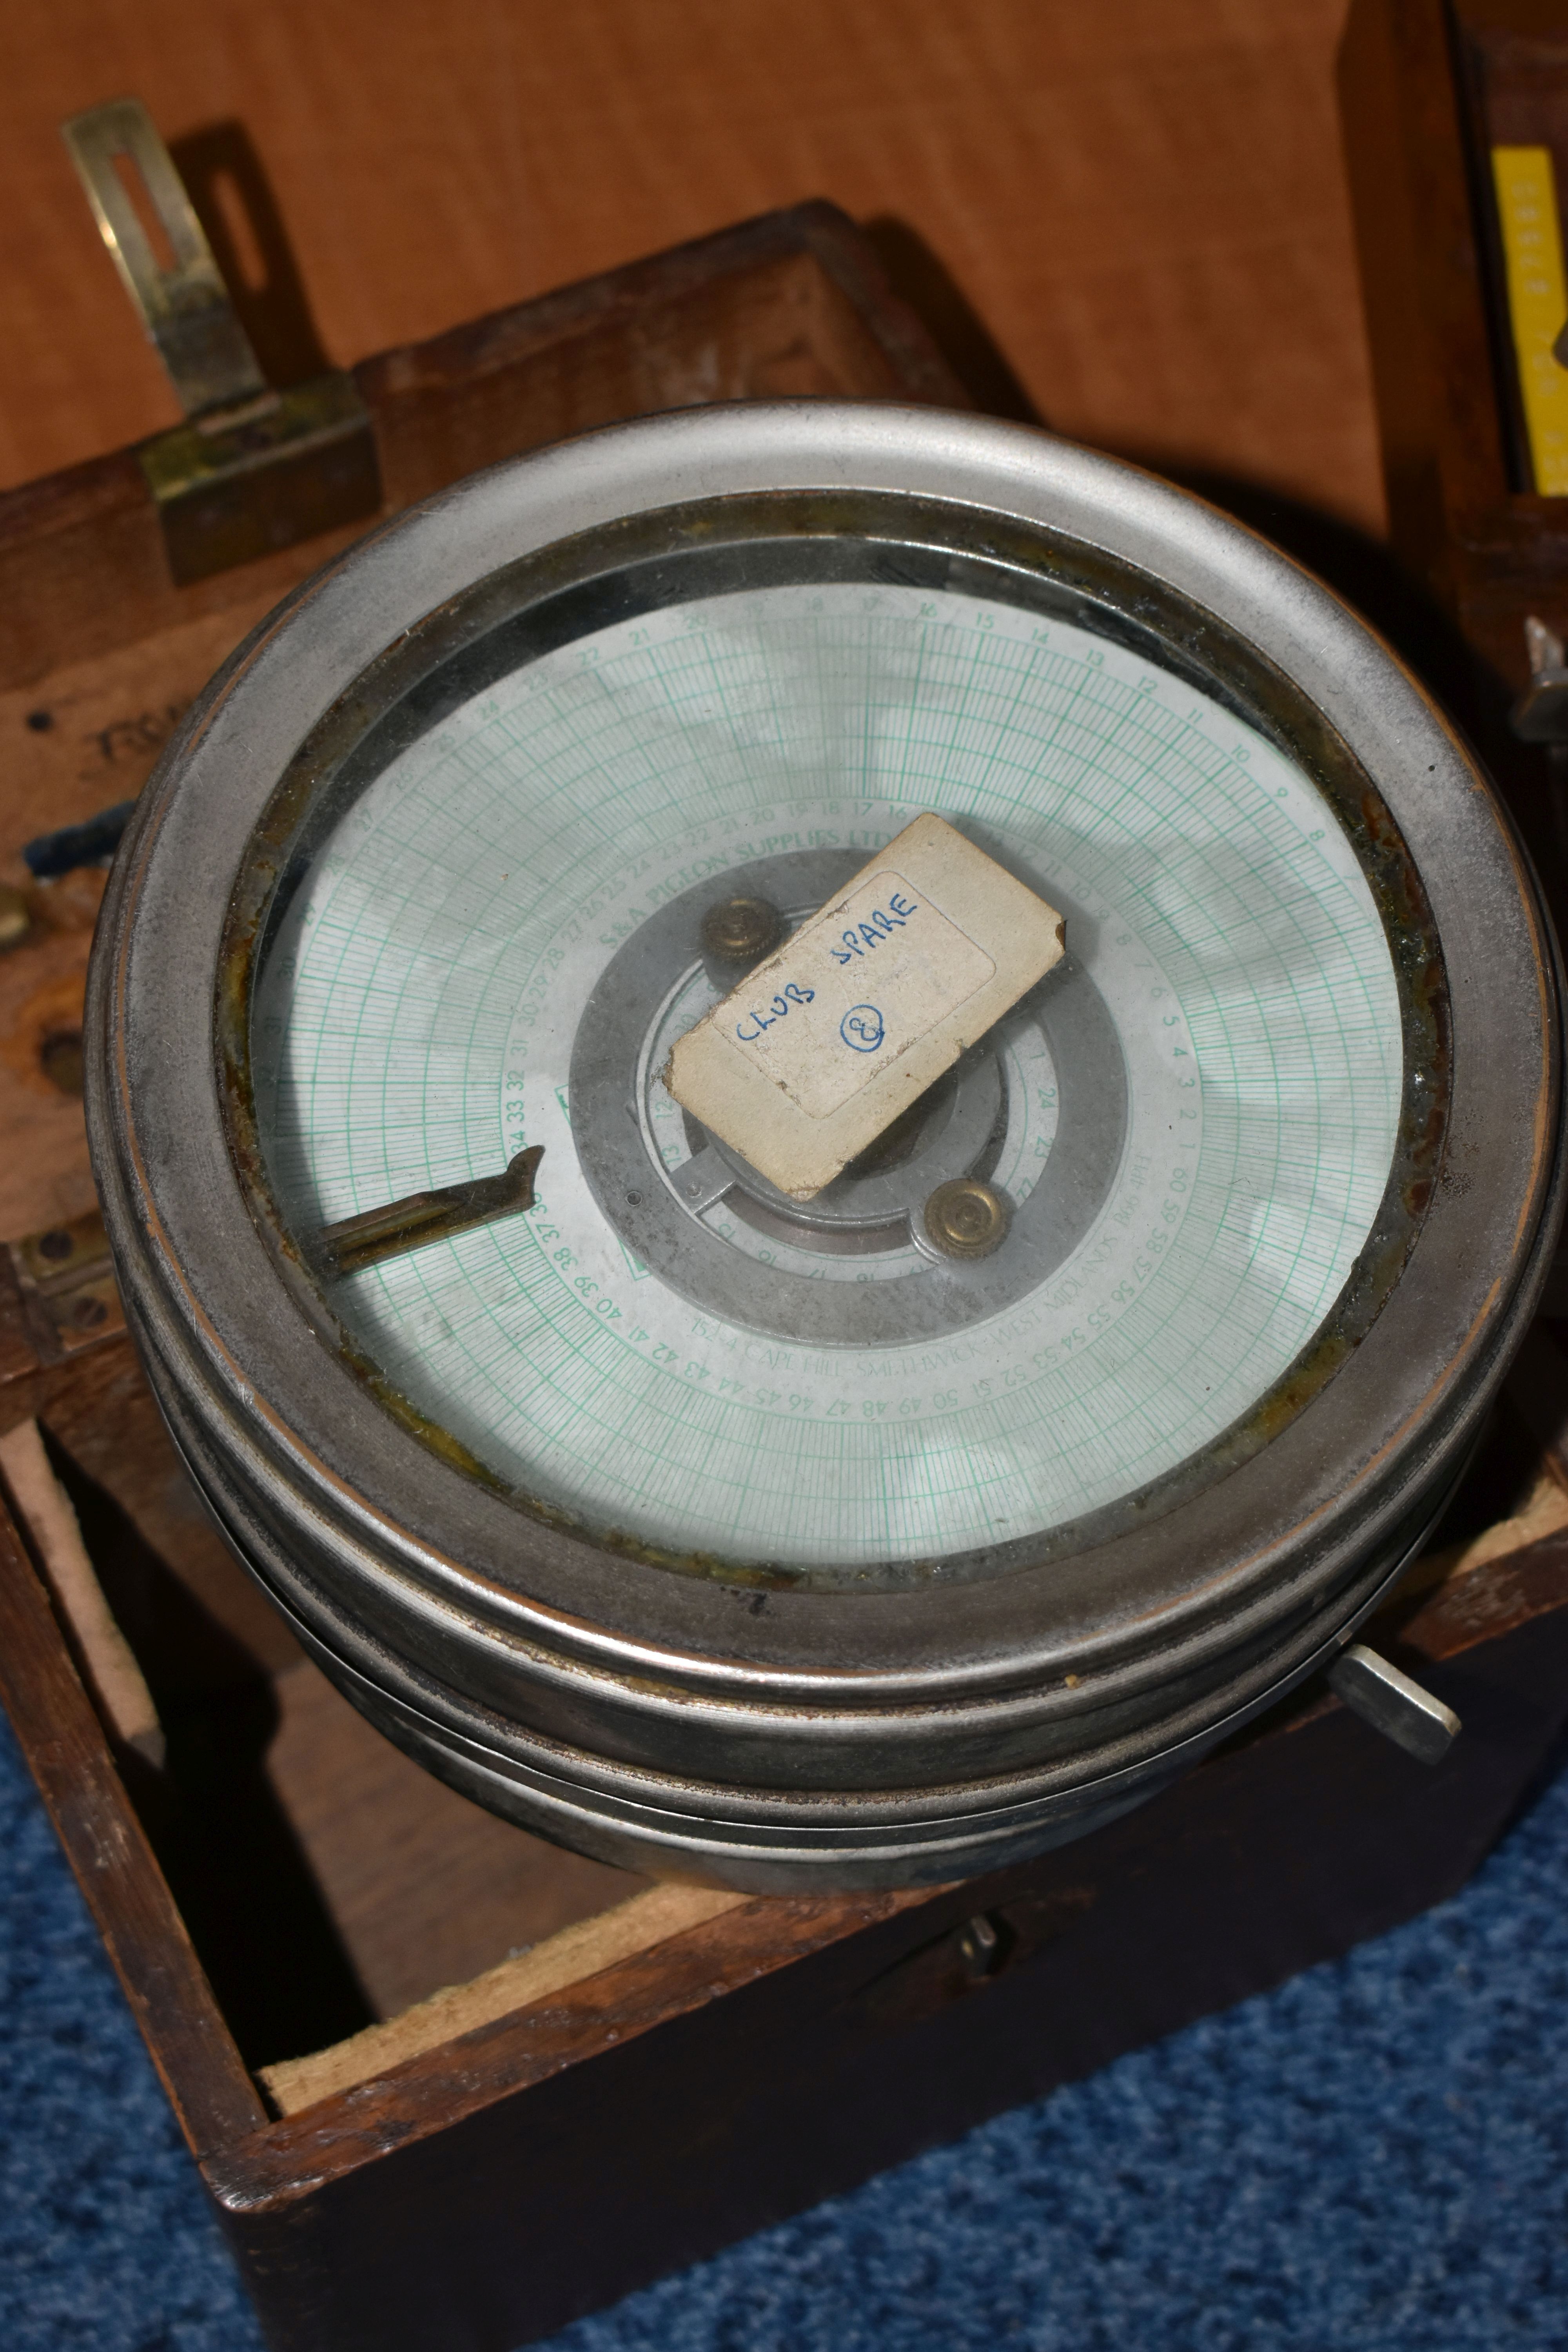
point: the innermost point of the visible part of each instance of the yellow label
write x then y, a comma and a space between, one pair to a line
1537, 303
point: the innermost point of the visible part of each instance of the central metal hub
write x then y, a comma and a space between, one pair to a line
868, 1261
880, 1199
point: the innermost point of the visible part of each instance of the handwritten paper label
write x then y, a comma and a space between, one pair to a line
825, 1043
868, 985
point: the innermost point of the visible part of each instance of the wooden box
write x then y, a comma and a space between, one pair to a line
1425, 91
448, 2087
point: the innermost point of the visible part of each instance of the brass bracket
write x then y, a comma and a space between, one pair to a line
253, 468
66, 1280
59, 1302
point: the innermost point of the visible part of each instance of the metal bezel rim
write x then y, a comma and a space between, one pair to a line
138, 1111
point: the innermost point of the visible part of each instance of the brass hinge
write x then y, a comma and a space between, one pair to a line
65, 1276
253, 468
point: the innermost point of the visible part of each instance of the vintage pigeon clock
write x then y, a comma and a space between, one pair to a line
825, 1124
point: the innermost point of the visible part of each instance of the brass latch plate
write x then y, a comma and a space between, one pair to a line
253, 468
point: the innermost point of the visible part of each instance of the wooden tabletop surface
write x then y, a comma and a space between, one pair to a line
1134, 219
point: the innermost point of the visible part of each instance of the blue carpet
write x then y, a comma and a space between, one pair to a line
1372, 2158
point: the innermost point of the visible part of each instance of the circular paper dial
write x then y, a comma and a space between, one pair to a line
421, 1001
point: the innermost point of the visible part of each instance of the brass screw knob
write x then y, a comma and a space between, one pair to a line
741, 930
966, 1218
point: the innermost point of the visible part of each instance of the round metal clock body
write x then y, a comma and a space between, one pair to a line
719, 1532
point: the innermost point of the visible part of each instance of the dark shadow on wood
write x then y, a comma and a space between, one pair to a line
232, 195
919, 279
1497, 1483
235, 1867
1365, 571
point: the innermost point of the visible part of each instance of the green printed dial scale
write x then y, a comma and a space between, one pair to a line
864, 1530
875, 1415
